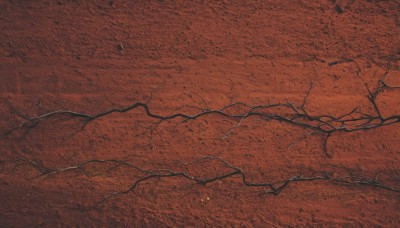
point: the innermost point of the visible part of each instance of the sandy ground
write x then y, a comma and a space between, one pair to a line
90, 56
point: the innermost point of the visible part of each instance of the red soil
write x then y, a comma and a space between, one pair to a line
257, 52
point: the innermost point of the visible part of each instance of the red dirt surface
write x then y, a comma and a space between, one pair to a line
66, 55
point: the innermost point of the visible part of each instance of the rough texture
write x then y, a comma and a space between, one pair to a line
89, 56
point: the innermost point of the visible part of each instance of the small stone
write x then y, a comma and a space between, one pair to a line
339, 9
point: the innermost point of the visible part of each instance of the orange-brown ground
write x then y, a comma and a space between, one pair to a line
258, 52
